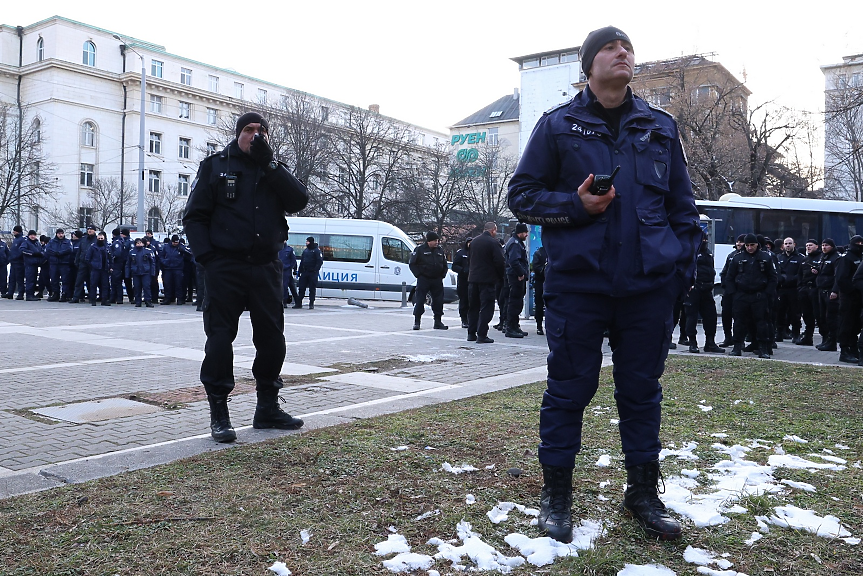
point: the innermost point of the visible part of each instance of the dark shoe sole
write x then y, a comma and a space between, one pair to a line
224, 438
259, 426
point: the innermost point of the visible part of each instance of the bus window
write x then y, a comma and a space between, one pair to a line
345, 248
729, 223
395, 250
841, 227
780, 224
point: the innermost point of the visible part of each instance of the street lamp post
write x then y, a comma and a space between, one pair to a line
141, 223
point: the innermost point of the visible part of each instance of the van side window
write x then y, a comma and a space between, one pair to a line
395, 250
344, 248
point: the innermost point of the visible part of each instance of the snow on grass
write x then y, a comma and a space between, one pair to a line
399, 448
408, 562
755, 537
394, 544
482, 555
280, 569
501, 511
799, 485
704, 558
800, 519
795, 438
447, 467
791, 461
604, 461
685, 453
305, 536
646, 570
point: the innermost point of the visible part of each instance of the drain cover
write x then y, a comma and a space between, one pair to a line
97, 410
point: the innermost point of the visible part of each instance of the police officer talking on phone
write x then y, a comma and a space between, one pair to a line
235, 223
618, 258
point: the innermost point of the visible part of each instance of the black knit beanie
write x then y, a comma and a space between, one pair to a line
595, 41
250, 118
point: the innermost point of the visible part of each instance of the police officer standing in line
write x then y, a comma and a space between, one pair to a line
828, 301
31, 249
428, 263
517, 271
83, 265
850, 304
16, 265
788, 306
120, 247
59, 254
857, 283
289, 268
156, 246
461, 266
486, 271
728, 295
752, 277
808, 292
4, 262
617, 261
537, 265
235, 223
311, 261
141, 267
699, 300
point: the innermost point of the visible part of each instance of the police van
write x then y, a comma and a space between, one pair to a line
365, 259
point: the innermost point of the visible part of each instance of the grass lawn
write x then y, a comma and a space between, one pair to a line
237, 511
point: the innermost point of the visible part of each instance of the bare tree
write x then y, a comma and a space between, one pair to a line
768, 130
24, 169
369, 154
843, 145
167, 207
101, 207
486, 200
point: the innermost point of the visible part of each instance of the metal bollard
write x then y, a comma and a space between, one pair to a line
404, 294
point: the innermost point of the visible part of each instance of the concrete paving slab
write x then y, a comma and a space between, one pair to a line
394, 383
107, 409
26, 483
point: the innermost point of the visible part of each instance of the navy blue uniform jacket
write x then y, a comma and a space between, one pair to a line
649, 233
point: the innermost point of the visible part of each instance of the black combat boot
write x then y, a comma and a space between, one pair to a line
438, 325
220, 424
641, 499
510, 333
555, 502
693, 347
53, 297
417, 322
464, 323
860, 354
848, 355
268, 413
735, 351
683, 340
805, 340
539, 331
710, 346
765, 349
829, 345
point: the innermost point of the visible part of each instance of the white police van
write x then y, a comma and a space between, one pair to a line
365, 259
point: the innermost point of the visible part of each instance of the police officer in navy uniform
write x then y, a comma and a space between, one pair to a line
616, 261
828, 300
59, 254
486, 270
311, 261
235, 223
752, 278
699, 301
33, 255
807, 292
83, 265
857, 283
289, 268
727, 296
141, 267
428, 263
517, 271
788, 308
461, 266
850, 304
16, 265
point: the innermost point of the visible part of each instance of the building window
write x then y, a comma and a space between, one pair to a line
211, 148
492, 137
88, 134
569, 57
154, 218
530, 63
238, 90
855, 80
155, 104
37, 130
85, 216
186, 76
40, 49
185, 147
842, 80
212, 116
496, 114
154, 181
214, 83
156, 68
89, 53
183, 185
87, 175
550, 60
262, 96
155, 143
325, 113
185, 110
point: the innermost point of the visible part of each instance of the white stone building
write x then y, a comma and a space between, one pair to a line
843, 128
83, 85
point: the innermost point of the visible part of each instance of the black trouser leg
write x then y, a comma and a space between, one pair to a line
849, 319
515, 301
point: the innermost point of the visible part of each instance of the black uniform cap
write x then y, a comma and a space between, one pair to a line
250, 118
595, 41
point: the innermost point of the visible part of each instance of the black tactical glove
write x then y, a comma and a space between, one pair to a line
260, 151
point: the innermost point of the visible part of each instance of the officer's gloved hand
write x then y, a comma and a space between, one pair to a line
260, 151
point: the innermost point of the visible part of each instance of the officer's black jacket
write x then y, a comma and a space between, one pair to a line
252, 226
827, 270
428, 262
516, 257
805, 277
705, 271
311, 260
789, 269
538, 263
857, 279
59, 251
724, 273
846, 266
461, 260
486, 260
33, 251
751, 273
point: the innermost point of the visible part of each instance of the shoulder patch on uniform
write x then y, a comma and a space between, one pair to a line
559, 106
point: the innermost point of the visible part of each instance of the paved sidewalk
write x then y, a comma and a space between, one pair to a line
89, 392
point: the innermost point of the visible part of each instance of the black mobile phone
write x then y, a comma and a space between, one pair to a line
602, 183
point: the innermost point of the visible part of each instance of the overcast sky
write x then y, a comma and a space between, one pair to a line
435, 65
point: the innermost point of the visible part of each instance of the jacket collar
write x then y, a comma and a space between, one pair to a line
581, 109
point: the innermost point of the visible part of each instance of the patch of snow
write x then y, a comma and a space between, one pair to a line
791, 461
614, 421
408, 562
799, 485
394, 544
704, 557
646, 570
690, 473
835, 459
852, 541
399, 448
800, 519
490, 467
719, 435
711, 572
501, 511
604, 461
753, 539
684, 453
705, 408
305, 535
484, 556
470, 499
425, 515
540, 551
842, 447
779, 450
604, 484
795, 438
280, 569
447, 467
